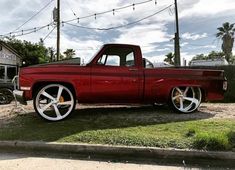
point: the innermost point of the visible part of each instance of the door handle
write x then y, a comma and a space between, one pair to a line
133, 69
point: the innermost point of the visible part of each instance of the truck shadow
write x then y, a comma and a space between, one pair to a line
93, 119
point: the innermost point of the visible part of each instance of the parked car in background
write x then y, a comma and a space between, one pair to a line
117, 74
6, 95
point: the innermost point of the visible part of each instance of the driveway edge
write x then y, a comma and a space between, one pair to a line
115, 151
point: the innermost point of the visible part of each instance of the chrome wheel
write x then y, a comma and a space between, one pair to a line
186, 99
54, 102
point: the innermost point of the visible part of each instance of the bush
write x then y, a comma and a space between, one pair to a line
214, 142
231, 138
190, 133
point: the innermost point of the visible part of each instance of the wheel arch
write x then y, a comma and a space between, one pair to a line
38, 85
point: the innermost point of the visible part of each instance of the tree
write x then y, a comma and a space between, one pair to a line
51, 53
170, 58
199, 57
226, 34
69, 53
31, 53
211, 56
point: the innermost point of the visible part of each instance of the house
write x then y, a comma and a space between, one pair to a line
209, 62
10, 61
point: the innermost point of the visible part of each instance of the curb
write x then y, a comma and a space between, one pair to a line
115, 151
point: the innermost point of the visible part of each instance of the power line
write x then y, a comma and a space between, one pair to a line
34, 15
26, 31
110, 11
48, 34
68, 4
120, 26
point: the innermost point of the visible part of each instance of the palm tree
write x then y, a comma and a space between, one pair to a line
226, 33
69, 53
170, 58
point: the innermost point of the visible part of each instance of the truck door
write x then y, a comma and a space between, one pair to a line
115, 77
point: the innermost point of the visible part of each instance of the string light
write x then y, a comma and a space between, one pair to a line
35, 29
133, 6
25, 32
121, 26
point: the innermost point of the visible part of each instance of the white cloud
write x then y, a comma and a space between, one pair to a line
144, 35
148, 33
163, 49
207, 7
193, 36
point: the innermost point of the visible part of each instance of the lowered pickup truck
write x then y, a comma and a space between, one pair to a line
117, 74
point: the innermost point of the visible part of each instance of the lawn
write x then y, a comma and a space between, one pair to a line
139, 126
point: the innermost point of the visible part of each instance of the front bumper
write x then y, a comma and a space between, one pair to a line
19, 96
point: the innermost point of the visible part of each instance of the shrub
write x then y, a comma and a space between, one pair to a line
231, 138
207, 141
190, 133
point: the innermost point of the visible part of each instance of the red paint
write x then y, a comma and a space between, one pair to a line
95, 83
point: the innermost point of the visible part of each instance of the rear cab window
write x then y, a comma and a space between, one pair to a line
117, 56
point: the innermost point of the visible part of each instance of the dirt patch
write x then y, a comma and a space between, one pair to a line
140, 113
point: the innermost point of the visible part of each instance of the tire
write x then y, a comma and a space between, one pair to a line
6, 96
185, 99
54, 102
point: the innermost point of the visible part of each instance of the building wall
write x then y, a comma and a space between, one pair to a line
8, 58
9, 63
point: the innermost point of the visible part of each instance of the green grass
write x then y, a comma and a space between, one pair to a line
144, 126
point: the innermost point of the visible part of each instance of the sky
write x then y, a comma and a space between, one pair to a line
198, 23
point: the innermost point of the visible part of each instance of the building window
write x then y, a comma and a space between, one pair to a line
2, 73
11, 72
7, 73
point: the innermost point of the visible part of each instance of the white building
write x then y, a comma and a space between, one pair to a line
9, 62
210, 62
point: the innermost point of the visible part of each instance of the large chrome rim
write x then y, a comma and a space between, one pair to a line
54, 102
186, 99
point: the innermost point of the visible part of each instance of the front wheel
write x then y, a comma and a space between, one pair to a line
54, 102
186, 99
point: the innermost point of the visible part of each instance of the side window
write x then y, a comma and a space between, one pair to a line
130, 60
113, 60
117, 56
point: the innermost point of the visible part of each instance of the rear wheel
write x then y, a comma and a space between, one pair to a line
54, 102
186, 99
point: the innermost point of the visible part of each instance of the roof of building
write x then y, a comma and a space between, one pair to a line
9, 48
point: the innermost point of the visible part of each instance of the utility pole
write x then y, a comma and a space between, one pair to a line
58, 30
177, 38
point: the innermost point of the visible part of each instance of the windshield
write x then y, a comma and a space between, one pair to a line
95, 55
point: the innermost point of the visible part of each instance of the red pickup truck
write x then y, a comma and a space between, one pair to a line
117, 74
